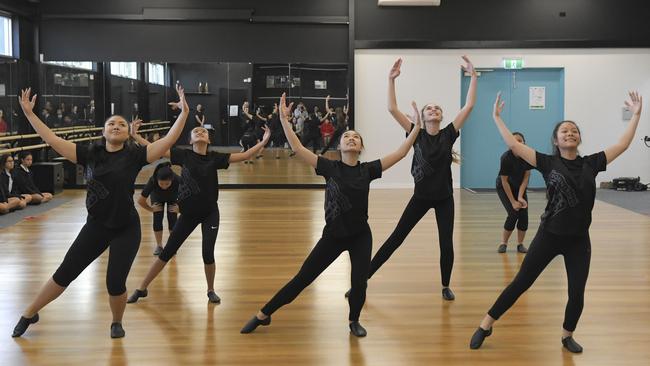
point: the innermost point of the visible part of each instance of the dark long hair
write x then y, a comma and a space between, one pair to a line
163, 171
556, 150
3, 161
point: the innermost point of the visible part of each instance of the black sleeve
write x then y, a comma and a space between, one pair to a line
82, 154
374, 169
177, 156
149, 187
451, 133
544, 162
221, 160
3, 195
506, 165
598, 162
325, 167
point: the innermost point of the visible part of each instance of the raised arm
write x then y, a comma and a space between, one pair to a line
470, 100
248, 154
521, 150
399, 154
135, 126
635, 104
157, 149
297, 147
66, 148
392, 98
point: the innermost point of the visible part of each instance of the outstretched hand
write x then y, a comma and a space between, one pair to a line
395, 70
267, 134
135, 126
498, 105
635, 103
27, 103
285, 109
416, 119
182, 102
469, 66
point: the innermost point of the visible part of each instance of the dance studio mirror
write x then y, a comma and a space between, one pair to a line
231, 100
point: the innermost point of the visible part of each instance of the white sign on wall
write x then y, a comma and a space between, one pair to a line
537, 97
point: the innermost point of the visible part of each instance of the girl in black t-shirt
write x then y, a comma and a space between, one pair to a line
431, 170
198, 193
162, 187
511, 185
346, 217
110, 170
564, 228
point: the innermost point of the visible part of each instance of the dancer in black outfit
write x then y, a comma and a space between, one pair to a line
564, 229
431, 170
110, 169
346, 217
197, 197
511, 185
162, 187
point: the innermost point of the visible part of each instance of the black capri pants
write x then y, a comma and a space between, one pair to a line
544, 247
518, 218
324, 253
184, 227
159, 215
93, 239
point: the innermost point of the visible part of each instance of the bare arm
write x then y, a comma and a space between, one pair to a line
460, 119
524, 184
142, 201
399, 154
248, 154
158, 148
135, 126
297, 147
635, 104
392, 98
521, 150
66, 148
199, 120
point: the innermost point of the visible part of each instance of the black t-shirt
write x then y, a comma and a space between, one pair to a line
276, 125
159, 195
110, 177
198, 191
514, 168
571, 191
346, 195
431, 166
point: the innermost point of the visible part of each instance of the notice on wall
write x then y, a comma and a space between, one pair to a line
537, 97
3, 91
233, 110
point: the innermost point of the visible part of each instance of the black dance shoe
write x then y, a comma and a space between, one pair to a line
254, 323
117, 331
502, 248
357, 330
447, 294
478, 337
22, 325
136, 295
571, 345
521, 248
214, 298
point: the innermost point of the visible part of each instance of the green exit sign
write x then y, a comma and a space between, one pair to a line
513, 63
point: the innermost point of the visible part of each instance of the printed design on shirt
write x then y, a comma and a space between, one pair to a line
336, 202
563, 195
420, 167
96, 189
188, 185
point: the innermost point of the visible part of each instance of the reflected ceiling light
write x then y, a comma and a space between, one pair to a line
409, 2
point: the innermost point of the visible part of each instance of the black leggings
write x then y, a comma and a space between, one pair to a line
413, 212
324, 253
314, 139
546, 246
520, 218
92, 241
184, 227
158, 217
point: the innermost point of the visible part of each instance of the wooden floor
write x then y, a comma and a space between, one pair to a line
263, 239
266, 170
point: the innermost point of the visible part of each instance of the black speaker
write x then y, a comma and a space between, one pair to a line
48, 177
73, 174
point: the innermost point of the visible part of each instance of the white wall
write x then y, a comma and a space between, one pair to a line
596, 85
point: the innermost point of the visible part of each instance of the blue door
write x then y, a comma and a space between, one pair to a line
481, 143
